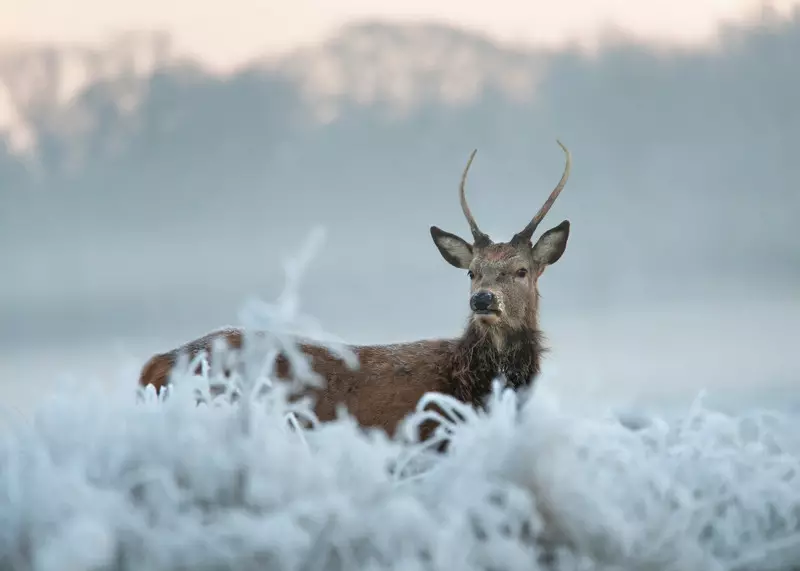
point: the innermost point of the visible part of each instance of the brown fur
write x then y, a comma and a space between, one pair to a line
390, 380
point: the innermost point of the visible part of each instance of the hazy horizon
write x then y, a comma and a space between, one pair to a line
145, 203
225, 35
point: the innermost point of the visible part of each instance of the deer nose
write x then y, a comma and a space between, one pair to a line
482, 301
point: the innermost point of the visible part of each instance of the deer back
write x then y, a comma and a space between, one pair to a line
384, 388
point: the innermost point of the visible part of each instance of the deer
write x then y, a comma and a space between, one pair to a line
501, 338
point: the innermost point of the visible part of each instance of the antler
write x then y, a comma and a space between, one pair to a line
480, 238
527, 232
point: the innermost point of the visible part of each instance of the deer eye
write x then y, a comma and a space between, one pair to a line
471, 274
522, 272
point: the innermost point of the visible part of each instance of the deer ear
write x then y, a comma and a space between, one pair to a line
455, 250
551, 244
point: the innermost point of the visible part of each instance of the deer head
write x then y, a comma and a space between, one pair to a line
504, 293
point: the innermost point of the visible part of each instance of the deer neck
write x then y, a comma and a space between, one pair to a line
482, 356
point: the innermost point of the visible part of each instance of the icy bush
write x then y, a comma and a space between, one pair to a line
101, 480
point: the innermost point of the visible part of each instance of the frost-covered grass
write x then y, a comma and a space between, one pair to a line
101, 479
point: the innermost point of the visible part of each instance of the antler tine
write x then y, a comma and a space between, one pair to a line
479, 237
528, 231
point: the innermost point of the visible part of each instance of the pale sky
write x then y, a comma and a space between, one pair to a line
225, 33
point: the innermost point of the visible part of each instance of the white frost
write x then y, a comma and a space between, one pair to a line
101, 480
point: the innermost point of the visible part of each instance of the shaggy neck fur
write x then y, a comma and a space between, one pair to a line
479, 359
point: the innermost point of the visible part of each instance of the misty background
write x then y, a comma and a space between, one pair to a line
142, 207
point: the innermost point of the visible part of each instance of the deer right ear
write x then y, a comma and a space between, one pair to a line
455, 250
551, 245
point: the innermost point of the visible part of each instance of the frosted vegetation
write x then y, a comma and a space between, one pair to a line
106, 479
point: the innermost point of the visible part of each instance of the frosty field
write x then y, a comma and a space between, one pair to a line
94, 478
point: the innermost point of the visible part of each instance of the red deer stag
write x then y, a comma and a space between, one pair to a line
502, 336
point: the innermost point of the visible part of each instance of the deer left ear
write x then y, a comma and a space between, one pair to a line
551, 245
455, 250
